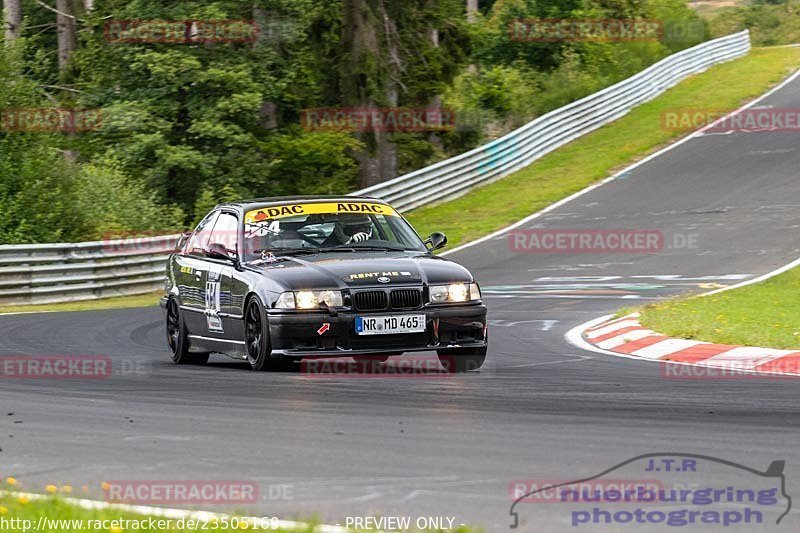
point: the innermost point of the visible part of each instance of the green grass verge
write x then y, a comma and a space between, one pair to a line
764, 314
597, 155
118, 302
21, 514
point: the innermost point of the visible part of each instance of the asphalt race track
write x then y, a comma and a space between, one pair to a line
541, 409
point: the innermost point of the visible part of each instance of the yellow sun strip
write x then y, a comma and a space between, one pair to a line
293, 210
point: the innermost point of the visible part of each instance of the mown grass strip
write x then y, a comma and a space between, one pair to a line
765, 314
117, 302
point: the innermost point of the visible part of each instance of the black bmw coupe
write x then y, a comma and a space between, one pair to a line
280, 279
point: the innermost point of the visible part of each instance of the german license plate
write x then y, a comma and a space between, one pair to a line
390, 324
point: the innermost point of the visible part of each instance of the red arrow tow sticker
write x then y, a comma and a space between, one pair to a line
323, 328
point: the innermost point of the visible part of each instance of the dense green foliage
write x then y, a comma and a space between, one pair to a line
770, 22
187, 125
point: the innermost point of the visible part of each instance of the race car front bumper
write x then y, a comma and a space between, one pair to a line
324, 334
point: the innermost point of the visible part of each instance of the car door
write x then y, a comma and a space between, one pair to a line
219, 306
193, 268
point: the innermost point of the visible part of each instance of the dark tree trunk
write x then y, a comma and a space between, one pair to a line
363, 24
67, 32
268, 35
436, 102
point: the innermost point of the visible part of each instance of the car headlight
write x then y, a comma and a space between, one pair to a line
309, 299
455, 292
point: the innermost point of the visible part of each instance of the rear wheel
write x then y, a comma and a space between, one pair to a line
256, 338
176, 338
459, 360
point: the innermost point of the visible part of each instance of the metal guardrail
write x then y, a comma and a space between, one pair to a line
455, 176
48, 273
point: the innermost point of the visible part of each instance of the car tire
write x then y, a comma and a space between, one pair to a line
256, 338
177, 341
460, 360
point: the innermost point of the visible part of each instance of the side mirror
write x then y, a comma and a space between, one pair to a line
435, 241
184, 238
218, 251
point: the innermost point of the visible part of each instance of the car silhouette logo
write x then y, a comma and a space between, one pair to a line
384, 279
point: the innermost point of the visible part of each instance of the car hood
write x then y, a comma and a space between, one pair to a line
362, 269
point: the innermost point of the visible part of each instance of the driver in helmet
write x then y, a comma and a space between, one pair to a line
350, 228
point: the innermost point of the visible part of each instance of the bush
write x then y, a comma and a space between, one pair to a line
769, 25
109, 201
36, 192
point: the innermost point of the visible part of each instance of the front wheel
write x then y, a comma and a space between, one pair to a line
460, 360
256, 338
176, 338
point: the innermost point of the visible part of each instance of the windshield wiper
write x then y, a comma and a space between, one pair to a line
381, 248
281, 252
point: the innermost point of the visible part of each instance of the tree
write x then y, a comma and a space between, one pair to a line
365, 83
13, 19
472, 10
396, 54
67, 32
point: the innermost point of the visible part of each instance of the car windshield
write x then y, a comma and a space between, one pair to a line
326, 226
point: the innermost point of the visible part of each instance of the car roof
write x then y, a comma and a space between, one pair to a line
256, 203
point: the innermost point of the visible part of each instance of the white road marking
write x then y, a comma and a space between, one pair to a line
575, 359
365, 498
546, 325
579, 266
679, 277
596, 280
769, 152
764, 277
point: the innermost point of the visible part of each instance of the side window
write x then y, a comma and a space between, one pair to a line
385, 230
226, 232
198, 242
